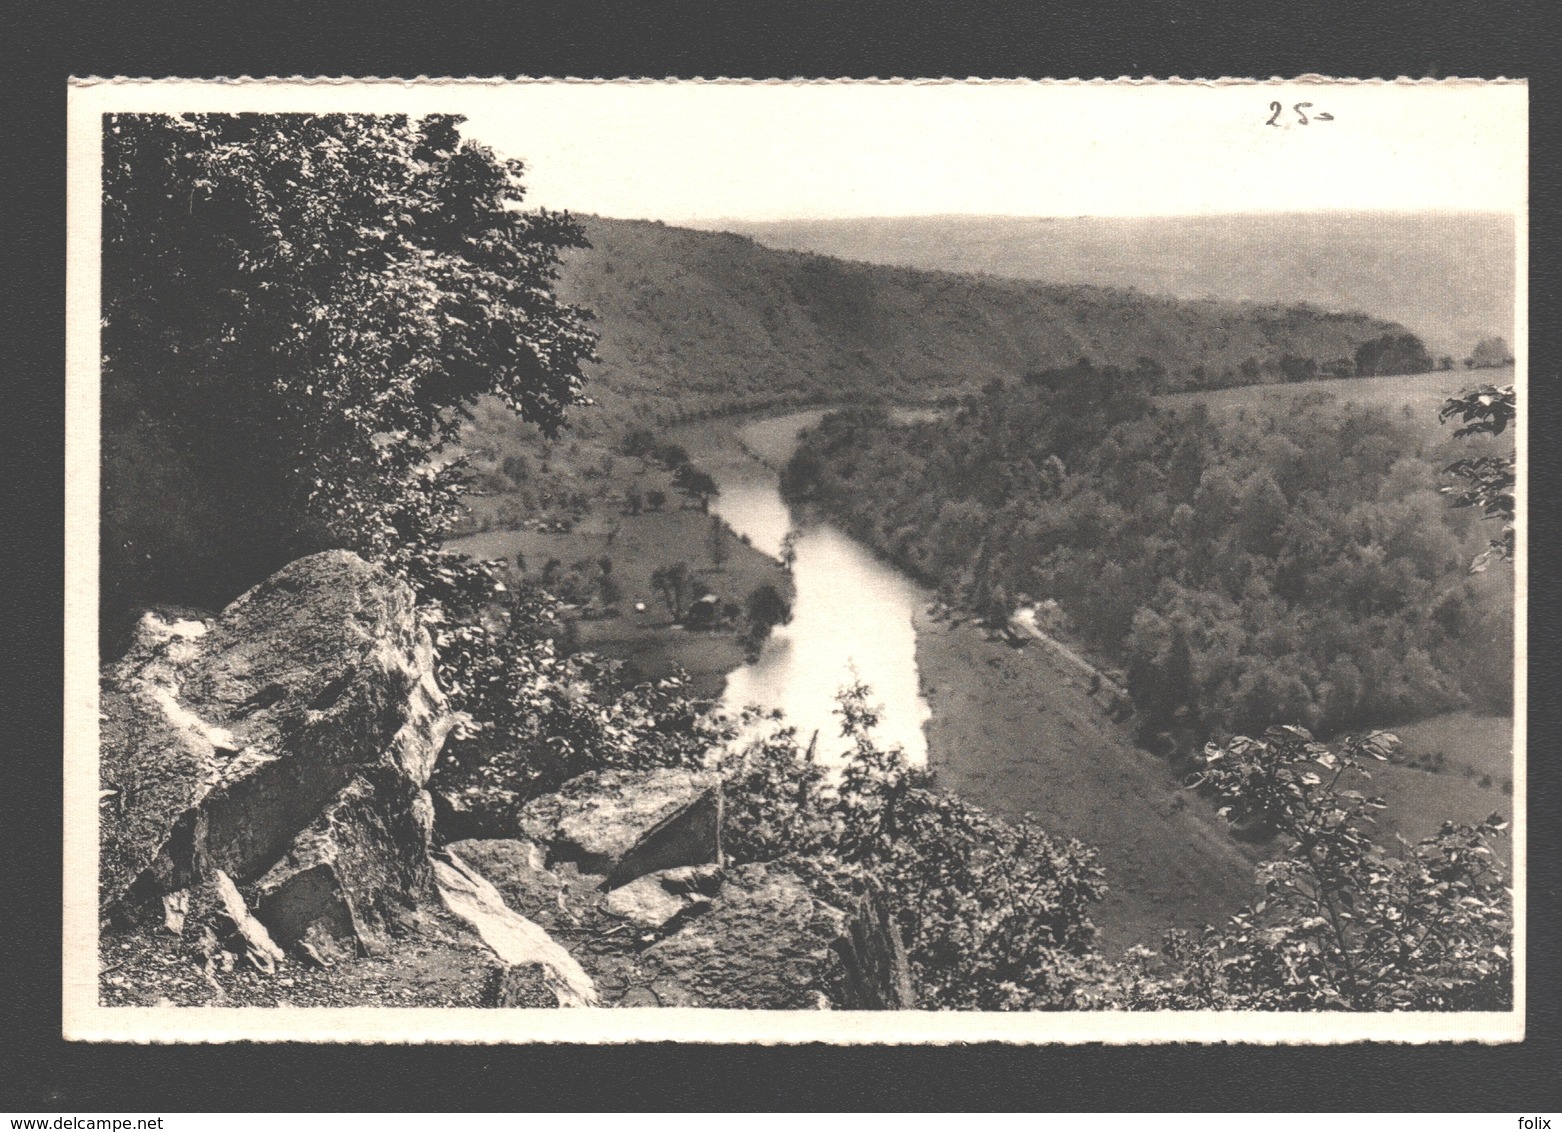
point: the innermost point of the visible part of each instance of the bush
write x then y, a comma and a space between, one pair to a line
547, 716
994, 914
1344, 923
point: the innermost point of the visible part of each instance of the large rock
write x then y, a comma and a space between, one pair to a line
530, 955
651, 903
752, 937
766, 944
622, 824
356, 872
308, 707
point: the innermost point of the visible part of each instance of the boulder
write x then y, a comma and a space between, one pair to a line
517, 941
246, 935
359, 869
518, 869
648, 902
702, 879
622, 824
309, 704
765, 944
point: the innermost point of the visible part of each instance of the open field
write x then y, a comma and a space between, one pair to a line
1017, 732
1475, 775
1418, 395
648, 641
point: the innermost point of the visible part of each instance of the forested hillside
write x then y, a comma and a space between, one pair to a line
1289, 563
1448, 277
700, 322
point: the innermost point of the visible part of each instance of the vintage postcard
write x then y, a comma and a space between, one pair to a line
738, 561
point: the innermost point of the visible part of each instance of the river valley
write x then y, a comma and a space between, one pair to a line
1019, 727
853, 616
1016, 731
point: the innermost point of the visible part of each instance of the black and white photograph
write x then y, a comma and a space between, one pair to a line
732, 561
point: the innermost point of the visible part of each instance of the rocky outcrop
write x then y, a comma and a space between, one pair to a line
349, 876
527, 951
623, 824
266, 837
764, 945
752, 938
286, 744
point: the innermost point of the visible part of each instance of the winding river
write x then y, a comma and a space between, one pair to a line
852, 617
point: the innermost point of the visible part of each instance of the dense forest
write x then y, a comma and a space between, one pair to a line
1285, 564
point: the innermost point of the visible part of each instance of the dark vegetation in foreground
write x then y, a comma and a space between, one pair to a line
1287, 562
296, 310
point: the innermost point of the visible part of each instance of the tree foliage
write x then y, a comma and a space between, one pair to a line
1289, 563
550, 714
1490, 353
994, 914
1488, 481
1392, 354
1345, 922
295, 310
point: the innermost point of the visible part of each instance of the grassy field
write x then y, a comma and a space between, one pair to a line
1417, 396
1017, 732
648, 641
1473, 776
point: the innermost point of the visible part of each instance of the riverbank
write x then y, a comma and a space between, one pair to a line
649, 641
1017, 732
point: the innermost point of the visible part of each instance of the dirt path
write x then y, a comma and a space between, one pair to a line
1016, 731
1025, 621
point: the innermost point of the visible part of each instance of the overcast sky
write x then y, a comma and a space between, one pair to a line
692, 151
680, 152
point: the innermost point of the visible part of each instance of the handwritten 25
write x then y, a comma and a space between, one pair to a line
1300, 110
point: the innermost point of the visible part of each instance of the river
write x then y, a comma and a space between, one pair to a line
852, 617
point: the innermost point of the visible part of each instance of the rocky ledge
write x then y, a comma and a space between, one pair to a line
266, 838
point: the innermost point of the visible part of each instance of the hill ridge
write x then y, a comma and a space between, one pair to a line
1447, 275
696, 322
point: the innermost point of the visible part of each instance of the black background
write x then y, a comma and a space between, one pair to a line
41, 1074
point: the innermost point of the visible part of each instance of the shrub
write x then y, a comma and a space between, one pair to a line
994, 914
1344, 923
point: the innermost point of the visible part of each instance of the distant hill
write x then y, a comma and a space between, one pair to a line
695, 322
1446, 276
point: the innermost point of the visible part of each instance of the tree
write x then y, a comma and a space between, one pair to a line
655, 499
1294, 368
716, 542
1345, 922
672, 456
639, 443
1392, 354
765, 609
696, 484
994, 914
1490, 353
295, 310
1488, 481
672, 583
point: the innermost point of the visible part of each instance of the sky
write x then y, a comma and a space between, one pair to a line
695, 151
699, 152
